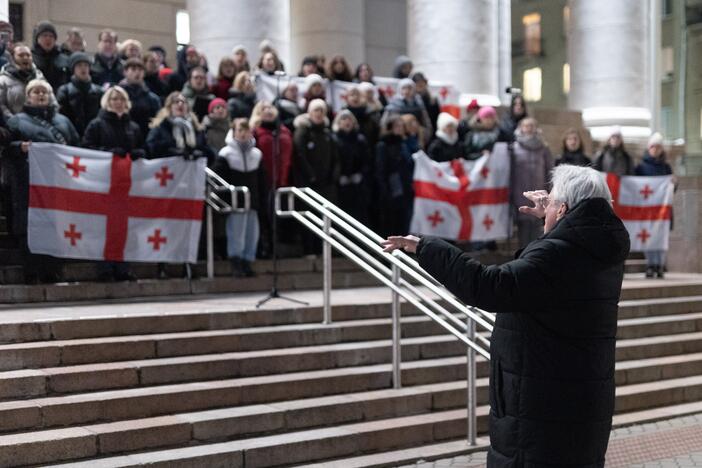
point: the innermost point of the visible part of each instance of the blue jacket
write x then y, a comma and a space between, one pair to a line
650, 166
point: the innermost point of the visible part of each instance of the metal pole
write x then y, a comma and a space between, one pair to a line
396, 332
470, 374
327, 260
210, 244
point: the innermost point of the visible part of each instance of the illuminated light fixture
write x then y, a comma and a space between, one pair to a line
532, 84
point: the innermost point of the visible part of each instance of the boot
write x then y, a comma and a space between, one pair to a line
246, 267
650, 271
660, 271
237, 267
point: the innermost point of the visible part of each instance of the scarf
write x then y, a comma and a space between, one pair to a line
449, 140
183, 132
530, 142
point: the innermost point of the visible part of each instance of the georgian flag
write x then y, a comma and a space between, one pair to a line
462, 200
645, 206
94, 205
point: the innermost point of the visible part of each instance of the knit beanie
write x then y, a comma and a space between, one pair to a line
312, 79
214, 103
656, 139
404, 82
42, 27
78, 57
487, 112
317, 103
445, 119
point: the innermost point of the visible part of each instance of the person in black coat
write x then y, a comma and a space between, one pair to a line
242, 96
38, 122
573, 151
79, 99
152, 78
145, 104
446, 146
355, 162
114, 131
47, 55
107, 68
552, 350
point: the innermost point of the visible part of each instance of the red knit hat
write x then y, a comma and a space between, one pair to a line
473, 105
214, 103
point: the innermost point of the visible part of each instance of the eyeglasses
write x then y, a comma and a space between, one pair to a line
179, 101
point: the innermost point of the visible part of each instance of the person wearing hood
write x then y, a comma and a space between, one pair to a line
188, 58
403, 67
152, 78
573, 150
517, 111
47, 55
197, 92
107, 68
316, 160
394, 171
654, 164
532, 163
407, 101
114, 131
144, 103
216, 124
39, 121
288, 107
355, 166
368, 121
613, 157
552, 350
239, 163
446, 146
79, 99
242, 96
482, 133
14, 78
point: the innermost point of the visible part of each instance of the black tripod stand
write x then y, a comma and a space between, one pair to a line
274, 294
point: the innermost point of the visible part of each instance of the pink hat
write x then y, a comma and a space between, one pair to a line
214, 103
487, 112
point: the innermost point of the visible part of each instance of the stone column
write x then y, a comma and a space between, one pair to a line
216, 26
328, 27
457, 41
609, 53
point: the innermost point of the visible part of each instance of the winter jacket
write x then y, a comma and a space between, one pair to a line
574, 158
431, 104
442, 150
53, 64
80, 102
156, 85
478, 138
221, 88
110, 132
241, 104
394, 170
145, 104
240, 164
105, 72
531, 168
36, 124
161, 144
552, 349
355, 174
316, 158
216, 131
287, 112
614, 160
400, 106
13, 82
198, 100
650, 166
368, 122
265, 141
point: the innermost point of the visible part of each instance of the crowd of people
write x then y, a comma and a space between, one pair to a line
126, 99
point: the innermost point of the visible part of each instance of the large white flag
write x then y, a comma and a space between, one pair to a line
645, 206
462, 200
95, 205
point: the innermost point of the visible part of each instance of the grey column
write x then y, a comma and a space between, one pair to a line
4, 10
328, 27
216, 26
456, 41
609, 52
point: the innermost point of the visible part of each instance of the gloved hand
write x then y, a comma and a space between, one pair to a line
119, 151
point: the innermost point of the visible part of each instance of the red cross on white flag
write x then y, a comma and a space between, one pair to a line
462, 200
125, 211
645, 206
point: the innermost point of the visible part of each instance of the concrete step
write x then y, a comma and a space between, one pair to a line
636, 286
301, 431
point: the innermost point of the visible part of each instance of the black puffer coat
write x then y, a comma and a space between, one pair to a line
53, 64
109, 132
553, 346
106, 73
80, 102
145, 105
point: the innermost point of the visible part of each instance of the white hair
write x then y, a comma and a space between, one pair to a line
573, 184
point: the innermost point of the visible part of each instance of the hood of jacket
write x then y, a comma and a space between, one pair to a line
24, 76
242, 157
593, 226
303, 121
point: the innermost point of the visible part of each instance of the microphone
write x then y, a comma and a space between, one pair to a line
512, 90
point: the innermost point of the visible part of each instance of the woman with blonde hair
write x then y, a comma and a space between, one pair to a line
242, 96
131, 48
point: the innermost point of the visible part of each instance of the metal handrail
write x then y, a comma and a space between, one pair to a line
361, 245
216, 185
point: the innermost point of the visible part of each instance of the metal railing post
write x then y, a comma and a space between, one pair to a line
396, 331
210, 244
327, 260
470, 375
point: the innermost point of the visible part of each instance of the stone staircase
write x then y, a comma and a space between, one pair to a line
213, 381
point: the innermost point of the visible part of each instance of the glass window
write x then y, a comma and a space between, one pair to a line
667, 6
566, 78
532, 33
16, 19
532, 84
183, 27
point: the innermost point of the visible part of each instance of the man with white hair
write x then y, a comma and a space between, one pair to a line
553, 345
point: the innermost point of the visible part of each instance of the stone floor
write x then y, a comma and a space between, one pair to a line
664, 444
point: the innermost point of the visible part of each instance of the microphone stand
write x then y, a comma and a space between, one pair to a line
274, 294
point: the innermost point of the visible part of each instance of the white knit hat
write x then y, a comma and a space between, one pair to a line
317, 103
445, 119
656, 139
313, 78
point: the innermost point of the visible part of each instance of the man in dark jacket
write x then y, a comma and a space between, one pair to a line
553, 345
145, 104
107, 68
47, 56
79, 99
